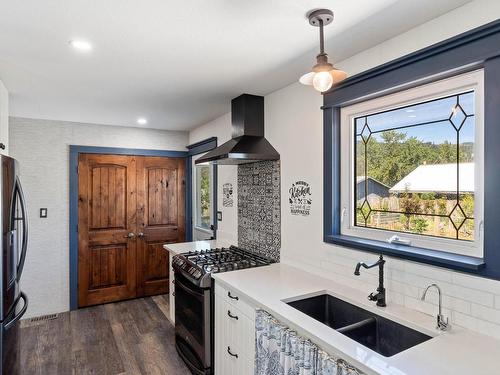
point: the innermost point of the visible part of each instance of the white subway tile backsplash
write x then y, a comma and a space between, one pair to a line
449, 302
488, 328
472, 295
429, 272
479, 283
485, 313
424, 306
497, 302
402, 288
464, 320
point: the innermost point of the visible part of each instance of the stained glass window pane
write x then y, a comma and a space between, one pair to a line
414, 168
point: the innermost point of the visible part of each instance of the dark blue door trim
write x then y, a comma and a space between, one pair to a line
478, 48
200, 148
74, 151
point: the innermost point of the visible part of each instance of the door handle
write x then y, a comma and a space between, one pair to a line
24, 244
130, 236
20, 313
141, 235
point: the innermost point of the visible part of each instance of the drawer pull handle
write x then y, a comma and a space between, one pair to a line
231, 354
232, 297
231, 315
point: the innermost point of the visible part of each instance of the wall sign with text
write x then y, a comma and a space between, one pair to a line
300, 198
227, 192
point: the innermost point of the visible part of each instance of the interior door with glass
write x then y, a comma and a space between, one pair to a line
203, 220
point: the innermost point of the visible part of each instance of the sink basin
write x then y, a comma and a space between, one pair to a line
371, 330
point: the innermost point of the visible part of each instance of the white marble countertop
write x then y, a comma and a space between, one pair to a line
456, 352
184, 247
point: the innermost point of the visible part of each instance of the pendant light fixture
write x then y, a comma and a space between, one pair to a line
323, 74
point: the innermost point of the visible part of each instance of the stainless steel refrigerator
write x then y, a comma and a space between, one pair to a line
13, 302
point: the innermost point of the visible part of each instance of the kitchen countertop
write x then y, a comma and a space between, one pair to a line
184, 247
455, 352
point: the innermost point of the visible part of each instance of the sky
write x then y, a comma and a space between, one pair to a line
437, 111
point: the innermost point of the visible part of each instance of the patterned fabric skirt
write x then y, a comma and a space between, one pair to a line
281, 351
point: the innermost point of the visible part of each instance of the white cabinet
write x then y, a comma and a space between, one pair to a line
234, 333
4, 120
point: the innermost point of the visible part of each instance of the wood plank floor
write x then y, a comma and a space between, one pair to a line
130, 337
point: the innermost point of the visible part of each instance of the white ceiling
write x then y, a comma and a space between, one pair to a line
177, 63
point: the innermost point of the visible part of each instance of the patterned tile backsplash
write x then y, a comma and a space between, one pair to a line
259, 211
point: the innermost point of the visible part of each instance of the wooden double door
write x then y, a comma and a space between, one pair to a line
128, 208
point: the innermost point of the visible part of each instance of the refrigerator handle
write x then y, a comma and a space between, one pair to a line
20, 314
24, 244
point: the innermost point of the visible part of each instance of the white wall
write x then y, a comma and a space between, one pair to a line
221, 128
4, 118
294, 127
42, 149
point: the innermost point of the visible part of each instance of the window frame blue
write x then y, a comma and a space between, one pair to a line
475, 49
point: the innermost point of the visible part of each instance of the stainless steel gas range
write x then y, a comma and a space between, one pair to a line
194, 300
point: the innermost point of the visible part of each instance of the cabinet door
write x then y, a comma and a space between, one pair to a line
234, 339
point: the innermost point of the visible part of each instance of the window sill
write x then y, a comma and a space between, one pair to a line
204, 230
433, 257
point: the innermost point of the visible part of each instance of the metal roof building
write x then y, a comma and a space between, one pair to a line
440, 178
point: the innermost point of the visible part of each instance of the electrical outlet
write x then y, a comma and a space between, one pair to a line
43, 213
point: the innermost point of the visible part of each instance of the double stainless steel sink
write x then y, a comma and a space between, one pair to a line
382, 335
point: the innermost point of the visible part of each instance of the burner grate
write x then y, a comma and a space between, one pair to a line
224, 259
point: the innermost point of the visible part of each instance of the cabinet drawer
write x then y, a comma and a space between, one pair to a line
236, 300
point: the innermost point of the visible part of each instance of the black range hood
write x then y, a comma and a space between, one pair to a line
248, 144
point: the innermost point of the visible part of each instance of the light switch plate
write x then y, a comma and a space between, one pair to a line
219, 215
43, 213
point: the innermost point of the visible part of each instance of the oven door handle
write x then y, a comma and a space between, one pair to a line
187, 289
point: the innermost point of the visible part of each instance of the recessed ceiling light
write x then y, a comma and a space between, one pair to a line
412, 116
410, 110
80, 44
142, 121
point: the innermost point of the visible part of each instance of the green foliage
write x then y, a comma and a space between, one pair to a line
394, 156
409, 204
390, 156
204, 194
467, 204
418, 225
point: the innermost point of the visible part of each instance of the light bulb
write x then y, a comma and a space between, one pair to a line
322, 81
80, 44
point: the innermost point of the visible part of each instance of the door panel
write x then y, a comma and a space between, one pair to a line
107, 213
107, 266
108, 181
161, 202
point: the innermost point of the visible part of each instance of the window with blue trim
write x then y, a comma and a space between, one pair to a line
414, 175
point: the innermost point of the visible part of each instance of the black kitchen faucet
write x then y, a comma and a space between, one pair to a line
380, 295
